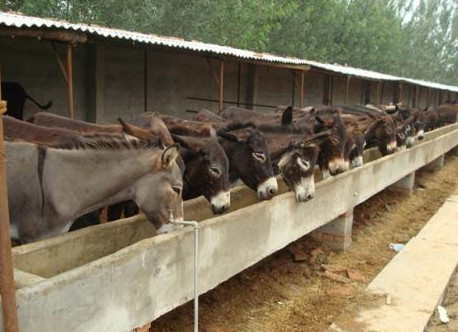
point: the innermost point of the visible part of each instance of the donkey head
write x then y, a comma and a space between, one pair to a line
250, 160
159, 194
207, 171
332, 154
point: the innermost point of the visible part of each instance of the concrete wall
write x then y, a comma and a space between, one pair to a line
175, 81
34, 65
140, 282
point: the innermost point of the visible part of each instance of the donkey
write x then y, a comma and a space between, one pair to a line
207, 171
156, 128
294, 156
379, 128
51, 186
244, 145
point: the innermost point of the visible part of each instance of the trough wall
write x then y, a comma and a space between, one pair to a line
140, 282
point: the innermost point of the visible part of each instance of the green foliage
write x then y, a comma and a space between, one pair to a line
412, 38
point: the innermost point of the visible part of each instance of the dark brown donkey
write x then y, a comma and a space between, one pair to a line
294, 155
379, 128
245, 147
207, 166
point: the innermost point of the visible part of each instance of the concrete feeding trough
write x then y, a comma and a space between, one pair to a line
117, 276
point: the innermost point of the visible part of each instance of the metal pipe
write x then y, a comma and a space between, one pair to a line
195, 225
7, 287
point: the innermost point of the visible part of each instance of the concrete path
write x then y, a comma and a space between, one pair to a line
406, 292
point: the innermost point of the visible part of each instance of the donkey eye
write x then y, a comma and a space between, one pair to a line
177, 190
304, 164
216, 172
259, 156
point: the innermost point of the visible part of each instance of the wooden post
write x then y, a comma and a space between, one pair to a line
70, 80
239, 68
378, 91
301, 99
294, 89
221, 85
400, 92
381, 92
428, 98
145, 79
7, 287
416, 102
347, 89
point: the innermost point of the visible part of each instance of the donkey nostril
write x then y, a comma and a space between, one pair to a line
272, 191
309, 196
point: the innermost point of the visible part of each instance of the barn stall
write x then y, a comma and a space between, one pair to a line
91, 267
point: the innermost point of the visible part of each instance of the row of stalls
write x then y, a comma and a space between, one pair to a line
99, 74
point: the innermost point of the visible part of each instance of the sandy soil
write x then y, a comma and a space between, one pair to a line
289, 291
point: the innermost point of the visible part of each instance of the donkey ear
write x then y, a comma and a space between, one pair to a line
208, 130
169, 155
318, 139
126, 127
287, 117
134, 130
228, 136
188, 142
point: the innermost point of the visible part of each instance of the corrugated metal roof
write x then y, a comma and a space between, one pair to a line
21, 21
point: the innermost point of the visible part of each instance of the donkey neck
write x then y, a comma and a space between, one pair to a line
79, 179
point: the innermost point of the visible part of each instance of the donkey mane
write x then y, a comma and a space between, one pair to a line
106, 142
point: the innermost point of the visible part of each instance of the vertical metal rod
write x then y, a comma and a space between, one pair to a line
196, 278
221, 85
145, 79
195, 225
7, 287
239, 69
301, 101
70, 80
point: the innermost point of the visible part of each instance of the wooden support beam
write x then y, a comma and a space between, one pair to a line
294, 89
59, 36
215, 75
382, 92
145, 80
428, 98
221, 85
417, 97
401, 91
70, 80
63, 69
7, 287
239, 69
347, 89
302, 92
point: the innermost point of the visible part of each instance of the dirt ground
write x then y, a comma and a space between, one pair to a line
295, 289
450, 303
